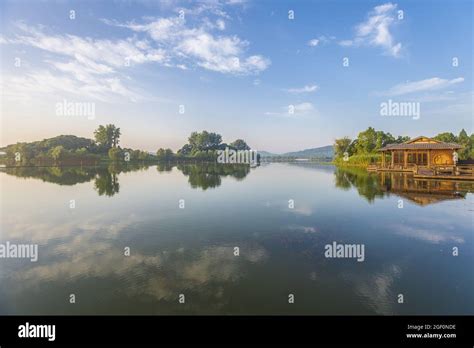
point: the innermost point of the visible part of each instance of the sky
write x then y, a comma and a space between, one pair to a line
282, 75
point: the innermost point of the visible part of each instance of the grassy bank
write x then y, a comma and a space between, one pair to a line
362, 161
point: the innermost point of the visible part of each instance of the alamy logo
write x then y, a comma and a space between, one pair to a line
237, 156
407, 109
345, 251
67, 108
19, 251
37, 331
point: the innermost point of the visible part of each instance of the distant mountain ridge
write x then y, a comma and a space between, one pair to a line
317, 152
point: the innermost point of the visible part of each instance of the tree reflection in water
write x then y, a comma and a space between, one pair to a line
106, 178
419, 191
209, 175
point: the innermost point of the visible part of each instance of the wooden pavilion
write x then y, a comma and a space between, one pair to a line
421, 151
424, 157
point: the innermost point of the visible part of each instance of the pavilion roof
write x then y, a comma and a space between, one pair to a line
421, 143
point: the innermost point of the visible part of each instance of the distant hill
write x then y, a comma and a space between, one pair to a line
267, 154
69, 142
317, 152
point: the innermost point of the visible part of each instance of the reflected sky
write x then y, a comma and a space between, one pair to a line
191, 251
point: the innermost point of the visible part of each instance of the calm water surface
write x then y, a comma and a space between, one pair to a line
190, 251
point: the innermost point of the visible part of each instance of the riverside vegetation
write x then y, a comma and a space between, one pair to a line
362, 151
70, 150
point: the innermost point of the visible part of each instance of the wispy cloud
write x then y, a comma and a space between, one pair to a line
102, 68
293, 110
303, 107
430, 235
304, 229
43, 83
434, 83
199, 45
86, 67
305, 89
376, 30
322, 39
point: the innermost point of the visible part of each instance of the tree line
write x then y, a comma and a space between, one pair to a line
70, 149
202, 146
363, 149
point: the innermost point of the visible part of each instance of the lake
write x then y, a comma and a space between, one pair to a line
234, 240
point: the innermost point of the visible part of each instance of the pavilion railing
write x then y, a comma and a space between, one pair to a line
465, 169
433, 170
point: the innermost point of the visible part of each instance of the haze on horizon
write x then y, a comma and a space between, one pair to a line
235, 67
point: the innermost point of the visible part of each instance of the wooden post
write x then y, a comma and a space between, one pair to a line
383, 159
405, 154
393, 157
429, 158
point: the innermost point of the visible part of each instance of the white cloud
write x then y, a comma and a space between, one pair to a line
303, 108
36, 84
198, 45
96, 68
377, 30
84, 67
430, 84
220, 24
91, 52
305, 89
235, 2
346, 43
321, 39
304, 229
292, 110
426, 234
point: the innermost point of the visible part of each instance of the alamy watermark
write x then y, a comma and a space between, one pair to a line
19, 251
28, 330
345, 251
405, 109
237, 156
68, 108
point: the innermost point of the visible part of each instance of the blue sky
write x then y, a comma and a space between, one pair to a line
237, 67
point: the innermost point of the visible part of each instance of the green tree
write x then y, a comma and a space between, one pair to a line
401, 139
204, 141
465, 141
115, 154
115, 136
164, 154
240, 144
58, 153
169, 154
186, 150
143, 155
160, 154
81, 152
383, 139
135, 154
20, 153
69, 142
341, 146
107, 136
446, 137
366, 141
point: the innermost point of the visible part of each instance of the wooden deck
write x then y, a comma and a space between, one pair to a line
461, 172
